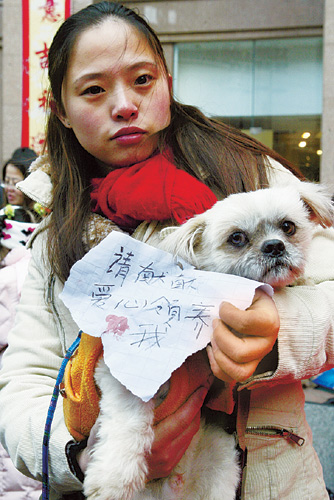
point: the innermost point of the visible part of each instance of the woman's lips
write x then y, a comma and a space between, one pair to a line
11, 196
128, 136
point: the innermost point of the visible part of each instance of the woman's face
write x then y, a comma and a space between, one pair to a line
115, 94
12, 177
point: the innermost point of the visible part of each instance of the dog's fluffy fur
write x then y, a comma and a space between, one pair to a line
263, 235
118, 468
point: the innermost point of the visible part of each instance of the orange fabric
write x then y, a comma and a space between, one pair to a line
81, 400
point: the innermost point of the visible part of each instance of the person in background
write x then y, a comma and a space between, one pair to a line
2, 196
16, 226
15, 170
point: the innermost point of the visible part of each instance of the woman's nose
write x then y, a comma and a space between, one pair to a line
125, 106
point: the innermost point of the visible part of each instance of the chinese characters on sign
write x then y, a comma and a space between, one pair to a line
151, 309
164, 310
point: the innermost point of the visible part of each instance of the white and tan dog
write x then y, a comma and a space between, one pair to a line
262, 235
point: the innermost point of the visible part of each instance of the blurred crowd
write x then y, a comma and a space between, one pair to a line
19, 217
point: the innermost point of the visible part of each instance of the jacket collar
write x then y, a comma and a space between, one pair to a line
37, 185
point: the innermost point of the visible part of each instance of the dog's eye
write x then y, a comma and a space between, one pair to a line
238, 239
289, 227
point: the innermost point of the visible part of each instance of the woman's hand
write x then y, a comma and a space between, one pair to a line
173, 436
242, 338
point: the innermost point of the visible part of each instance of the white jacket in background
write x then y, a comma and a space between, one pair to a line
13, 484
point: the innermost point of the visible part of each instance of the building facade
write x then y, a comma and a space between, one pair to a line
264, 66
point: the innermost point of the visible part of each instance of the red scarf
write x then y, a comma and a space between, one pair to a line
153, 189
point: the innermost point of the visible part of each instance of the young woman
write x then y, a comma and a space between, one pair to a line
15, 170
116, 136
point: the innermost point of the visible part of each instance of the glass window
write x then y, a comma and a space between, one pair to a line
271, 88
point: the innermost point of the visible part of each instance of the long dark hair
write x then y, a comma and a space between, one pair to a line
224, 158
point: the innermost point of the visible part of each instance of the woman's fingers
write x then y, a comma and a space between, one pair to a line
227, 369
260, 318
174, 434
241, 339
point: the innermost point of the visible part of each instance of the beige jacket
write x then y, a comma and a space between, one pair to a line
278, 467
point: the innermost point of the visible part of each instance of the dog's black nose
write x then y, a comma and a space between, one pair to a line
273, 248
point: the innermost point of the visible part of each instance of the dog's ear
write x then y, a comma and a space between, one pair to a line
319, 203
184, 240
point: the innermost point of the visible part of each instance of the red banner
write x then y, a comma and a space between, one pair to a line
40, 21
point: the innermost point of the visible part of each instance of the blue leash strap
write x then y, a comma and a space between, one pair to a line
49, 418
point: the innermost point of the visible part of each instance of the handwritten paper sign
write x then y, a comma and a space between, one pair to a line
151, 309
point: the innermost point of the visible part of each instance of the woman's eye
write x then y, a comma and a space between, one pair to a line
94, 90
144, 79
289, 227
238, 239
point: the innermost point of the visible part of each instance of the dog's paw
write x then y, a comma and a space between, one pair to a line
117, 467
95, 491
100, 484
103, 481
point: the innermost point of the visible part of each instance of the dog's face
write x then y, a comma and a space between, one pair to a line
257, 235
263, 235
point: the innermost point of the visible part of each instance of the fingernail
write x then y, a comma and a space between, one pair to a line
213, 344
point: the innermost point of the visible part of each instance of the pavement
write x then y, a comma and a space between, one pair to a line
319, 409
